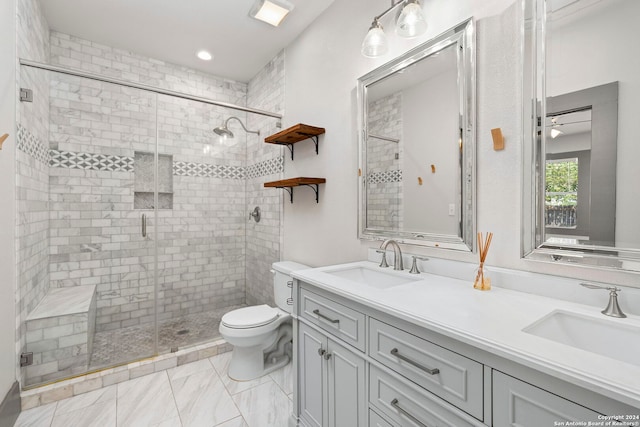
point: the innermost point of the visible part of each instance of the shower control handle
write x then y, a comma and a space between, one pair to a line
144, 225
255, 214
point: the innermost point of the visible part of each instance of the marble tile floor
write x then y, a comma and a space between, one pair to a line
135, 342
198, 394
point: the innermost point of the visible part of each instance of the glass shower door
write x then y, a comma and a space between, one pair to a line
201, 224
87, 186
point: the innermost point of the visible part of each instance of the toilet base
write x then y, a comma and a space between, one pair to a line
248, 363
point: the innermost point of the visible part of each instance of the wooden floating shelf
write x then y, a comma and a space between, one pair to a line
294, 134
288, 185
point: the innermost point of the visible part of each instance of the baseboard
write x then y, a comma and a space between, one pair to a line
10, 406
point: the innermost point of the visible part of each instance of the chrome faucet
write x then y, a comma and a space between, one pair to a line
397, 253
612, 309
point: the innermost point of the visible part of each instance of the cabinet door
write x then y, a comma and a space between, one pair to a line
346, 392
516, 403
311, 374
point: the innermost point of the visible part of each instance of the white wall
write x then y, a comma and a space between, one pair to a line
438, 146
323, 65
7, 195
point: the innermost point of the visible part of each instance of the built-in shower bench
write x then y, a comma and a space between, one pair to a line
59, 332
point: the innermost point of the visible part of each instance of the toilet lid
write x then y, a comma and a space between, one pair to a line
250, 317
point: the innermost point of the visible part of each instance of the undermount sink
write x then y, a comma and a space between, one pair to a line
376, 278
609, 338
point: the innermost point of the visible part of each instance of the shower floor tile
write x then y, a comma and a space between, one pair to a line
135, 342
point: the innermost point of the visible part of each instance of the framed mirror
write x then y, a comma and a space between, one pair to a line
417, 145
582, 83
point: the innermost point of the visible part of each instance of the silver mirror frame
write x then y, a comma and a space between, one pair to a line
533, 247
463, 35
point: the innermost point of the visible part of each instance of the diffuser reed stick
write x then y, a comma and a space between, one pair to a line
483, 283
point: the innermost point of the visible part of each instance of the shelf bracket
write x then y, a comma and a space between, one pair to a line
290, 191
314, 138
315, 188
290, 146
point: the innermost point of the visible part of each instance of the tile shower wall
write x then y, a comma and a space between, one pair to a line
201, 239
265, 162
95, 130
384, 173
207, 245
32, 177
74, 52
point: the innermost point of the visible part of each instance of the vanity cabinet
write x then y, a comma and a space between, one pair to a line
332, 381
359, 365
344, 374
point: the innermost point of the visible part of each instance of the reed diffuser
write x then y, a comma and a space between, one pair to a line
482, 282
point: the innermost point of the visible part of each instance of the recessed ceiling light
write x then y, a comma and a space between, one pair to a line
204, 55
271, 11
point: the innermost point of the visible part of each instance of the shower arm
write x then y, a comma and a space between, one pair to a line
226, 125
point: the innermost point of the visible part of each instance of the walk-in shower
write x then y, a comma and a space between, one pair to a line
133, 229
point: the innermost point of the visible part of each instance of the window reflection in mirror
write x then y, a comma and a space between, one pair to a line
585, 81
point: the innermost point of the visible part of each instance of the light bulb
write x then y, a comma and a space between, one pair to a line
375, 42
411, 22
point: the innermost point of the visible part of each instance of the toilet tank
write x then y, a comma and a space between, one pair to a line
281, 277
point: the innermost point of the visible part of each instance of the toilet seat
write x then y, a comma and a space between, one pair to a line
250, 317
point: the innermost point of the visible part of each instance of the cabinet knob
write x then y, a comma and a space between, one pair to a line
321, 351
327, 356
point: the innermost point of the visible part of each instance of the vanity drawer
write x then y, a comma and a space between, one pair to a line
411, 406
335, 318
449, 375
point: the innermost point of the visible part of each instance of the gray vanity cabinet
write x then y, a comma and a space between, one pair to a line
358, 367
332, 381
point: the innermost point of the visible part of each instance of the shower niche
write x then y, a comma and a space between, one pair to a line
144, 181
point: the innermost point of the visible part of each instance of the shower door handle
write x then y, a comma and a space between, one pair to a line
144, 225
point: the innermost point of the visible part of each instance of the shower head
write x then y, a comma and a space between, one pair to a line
223, 129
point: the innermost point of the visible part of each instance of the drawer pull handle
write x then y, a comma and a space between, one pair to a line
321, 352
429, 371
395, 404
328, 319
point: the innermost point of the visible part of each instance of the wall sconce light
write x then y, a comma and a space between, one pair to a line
410, 23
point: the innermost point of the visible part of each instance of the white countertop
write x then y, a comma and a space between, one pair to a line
493, 321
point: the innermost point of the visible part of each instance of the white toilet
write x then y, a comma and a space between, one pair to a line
261, 335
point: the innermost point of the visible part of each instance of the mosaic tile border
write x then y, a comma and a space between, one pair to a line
32, 145
386, 176
208, 170
90, 161
267, 167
